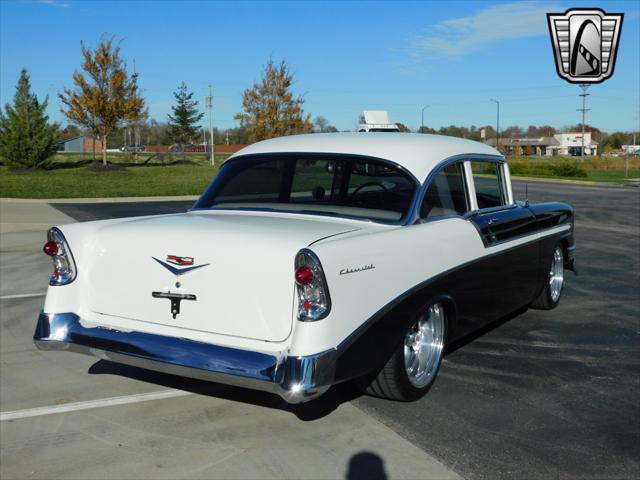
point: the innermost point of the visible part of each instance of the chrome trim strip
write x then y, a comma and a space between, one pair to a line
414, 212
295, 379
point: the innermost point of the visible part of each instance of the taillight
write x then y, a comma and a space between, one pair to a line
304, 275
314, 302
51, 248
64, 268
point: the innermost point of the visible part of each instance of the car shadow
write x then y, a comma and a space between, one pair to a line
310, 411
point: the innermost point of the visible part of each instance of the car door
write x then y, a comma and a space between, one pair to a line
509, 234
449, 196
501, 276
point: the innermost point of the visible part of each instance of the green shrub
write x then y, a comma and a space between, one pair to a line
568, 170
548, 170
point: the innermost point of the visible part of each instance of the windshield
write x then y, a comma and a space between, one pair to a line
327, 185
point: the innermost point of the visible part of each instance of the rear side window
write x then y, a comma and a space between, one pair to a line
488, 183
445, 194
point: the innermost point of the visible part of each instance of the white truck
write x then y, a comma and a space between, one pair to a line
376, 121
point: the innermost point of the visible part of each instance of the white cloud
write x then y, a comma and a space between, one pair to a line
460, 36
56, 3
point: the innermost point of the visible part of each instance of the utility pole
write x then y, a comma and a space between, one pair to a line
497, 102
210, 107
422, 118
584, 111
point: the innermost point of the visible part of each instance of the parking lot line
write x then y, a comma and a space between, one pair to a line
22, 295
99, 403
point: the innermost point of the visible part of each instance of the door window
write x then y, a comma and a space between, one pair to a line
445, 194
488, 182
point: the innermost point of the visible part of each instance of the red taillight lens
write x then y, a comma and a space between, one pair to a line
51, 248
304, 275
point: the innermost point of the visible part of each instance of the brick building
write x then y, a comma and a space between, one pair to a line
81, 144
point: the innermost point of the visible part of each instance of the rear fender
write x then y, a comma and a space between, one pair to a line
370, 347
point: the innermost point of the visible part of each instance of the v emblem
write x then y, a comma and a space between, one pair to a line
178, 271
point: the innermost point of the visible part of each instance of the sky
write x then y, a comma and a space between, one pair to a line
346, 57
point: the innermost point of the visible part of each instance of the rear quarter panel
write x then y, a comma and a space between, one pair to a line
402, 257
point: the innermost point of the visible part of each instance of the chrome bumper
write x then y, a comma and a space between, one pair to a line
295, 379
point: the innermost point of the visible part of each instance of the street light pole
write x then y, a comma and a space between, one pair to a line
422, 118
497, 102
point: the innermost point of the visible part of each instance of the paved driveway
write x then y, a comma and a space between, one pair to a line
545, 395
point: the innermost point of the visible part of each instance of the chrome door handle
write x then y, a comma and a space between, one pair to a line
492, 221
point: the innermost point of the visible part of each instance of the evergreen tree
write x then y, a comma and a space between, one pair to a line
26, 136
183, 123
270, 110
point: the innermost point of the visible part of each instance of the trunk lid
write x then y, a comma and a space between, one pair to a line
239, 267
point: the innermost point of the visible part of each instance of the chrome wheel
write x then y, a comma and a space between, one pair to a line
556, 275
423, 345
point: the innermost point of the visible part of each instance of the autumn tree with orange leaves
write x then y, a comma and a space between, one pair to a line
270, 109
105, 96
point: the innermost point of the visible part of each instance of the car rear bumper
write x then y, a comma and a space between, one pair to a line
295, 379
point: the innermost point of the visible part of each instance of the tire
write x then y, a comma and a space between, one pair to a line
413, 367
549, 298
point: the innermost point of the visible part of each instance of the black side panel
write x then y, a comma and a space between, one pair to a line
551, 214
554, 214
503, 225
476, 294
509, 280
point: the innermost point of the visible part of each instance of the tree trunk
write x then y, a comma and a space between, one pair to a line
104, 150
94, 147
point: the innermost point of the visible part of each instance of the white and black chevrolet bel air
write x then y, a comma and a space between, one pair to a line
312, 260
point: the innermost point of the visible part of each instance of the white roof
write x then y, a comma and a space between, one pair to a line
416, 152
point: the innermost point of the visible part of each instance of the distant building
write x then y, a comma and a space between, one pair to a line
571, 144
560, 144
81, 144
631, 149
540, 146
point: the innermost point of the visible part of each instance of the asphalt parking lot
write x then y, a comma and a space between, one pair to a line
544, 395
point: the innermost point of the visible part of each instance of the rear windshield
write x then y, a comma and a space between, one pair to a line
326, 185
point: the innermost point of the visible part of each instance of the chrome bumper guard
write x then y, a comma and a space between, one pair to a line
295, 379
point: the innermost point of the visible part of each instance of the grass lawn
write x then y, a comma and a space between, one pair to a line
605, 176
594, 169
617, 176
83, 183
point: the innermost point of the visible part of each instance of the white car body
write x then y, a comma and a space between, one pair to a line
242, 327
